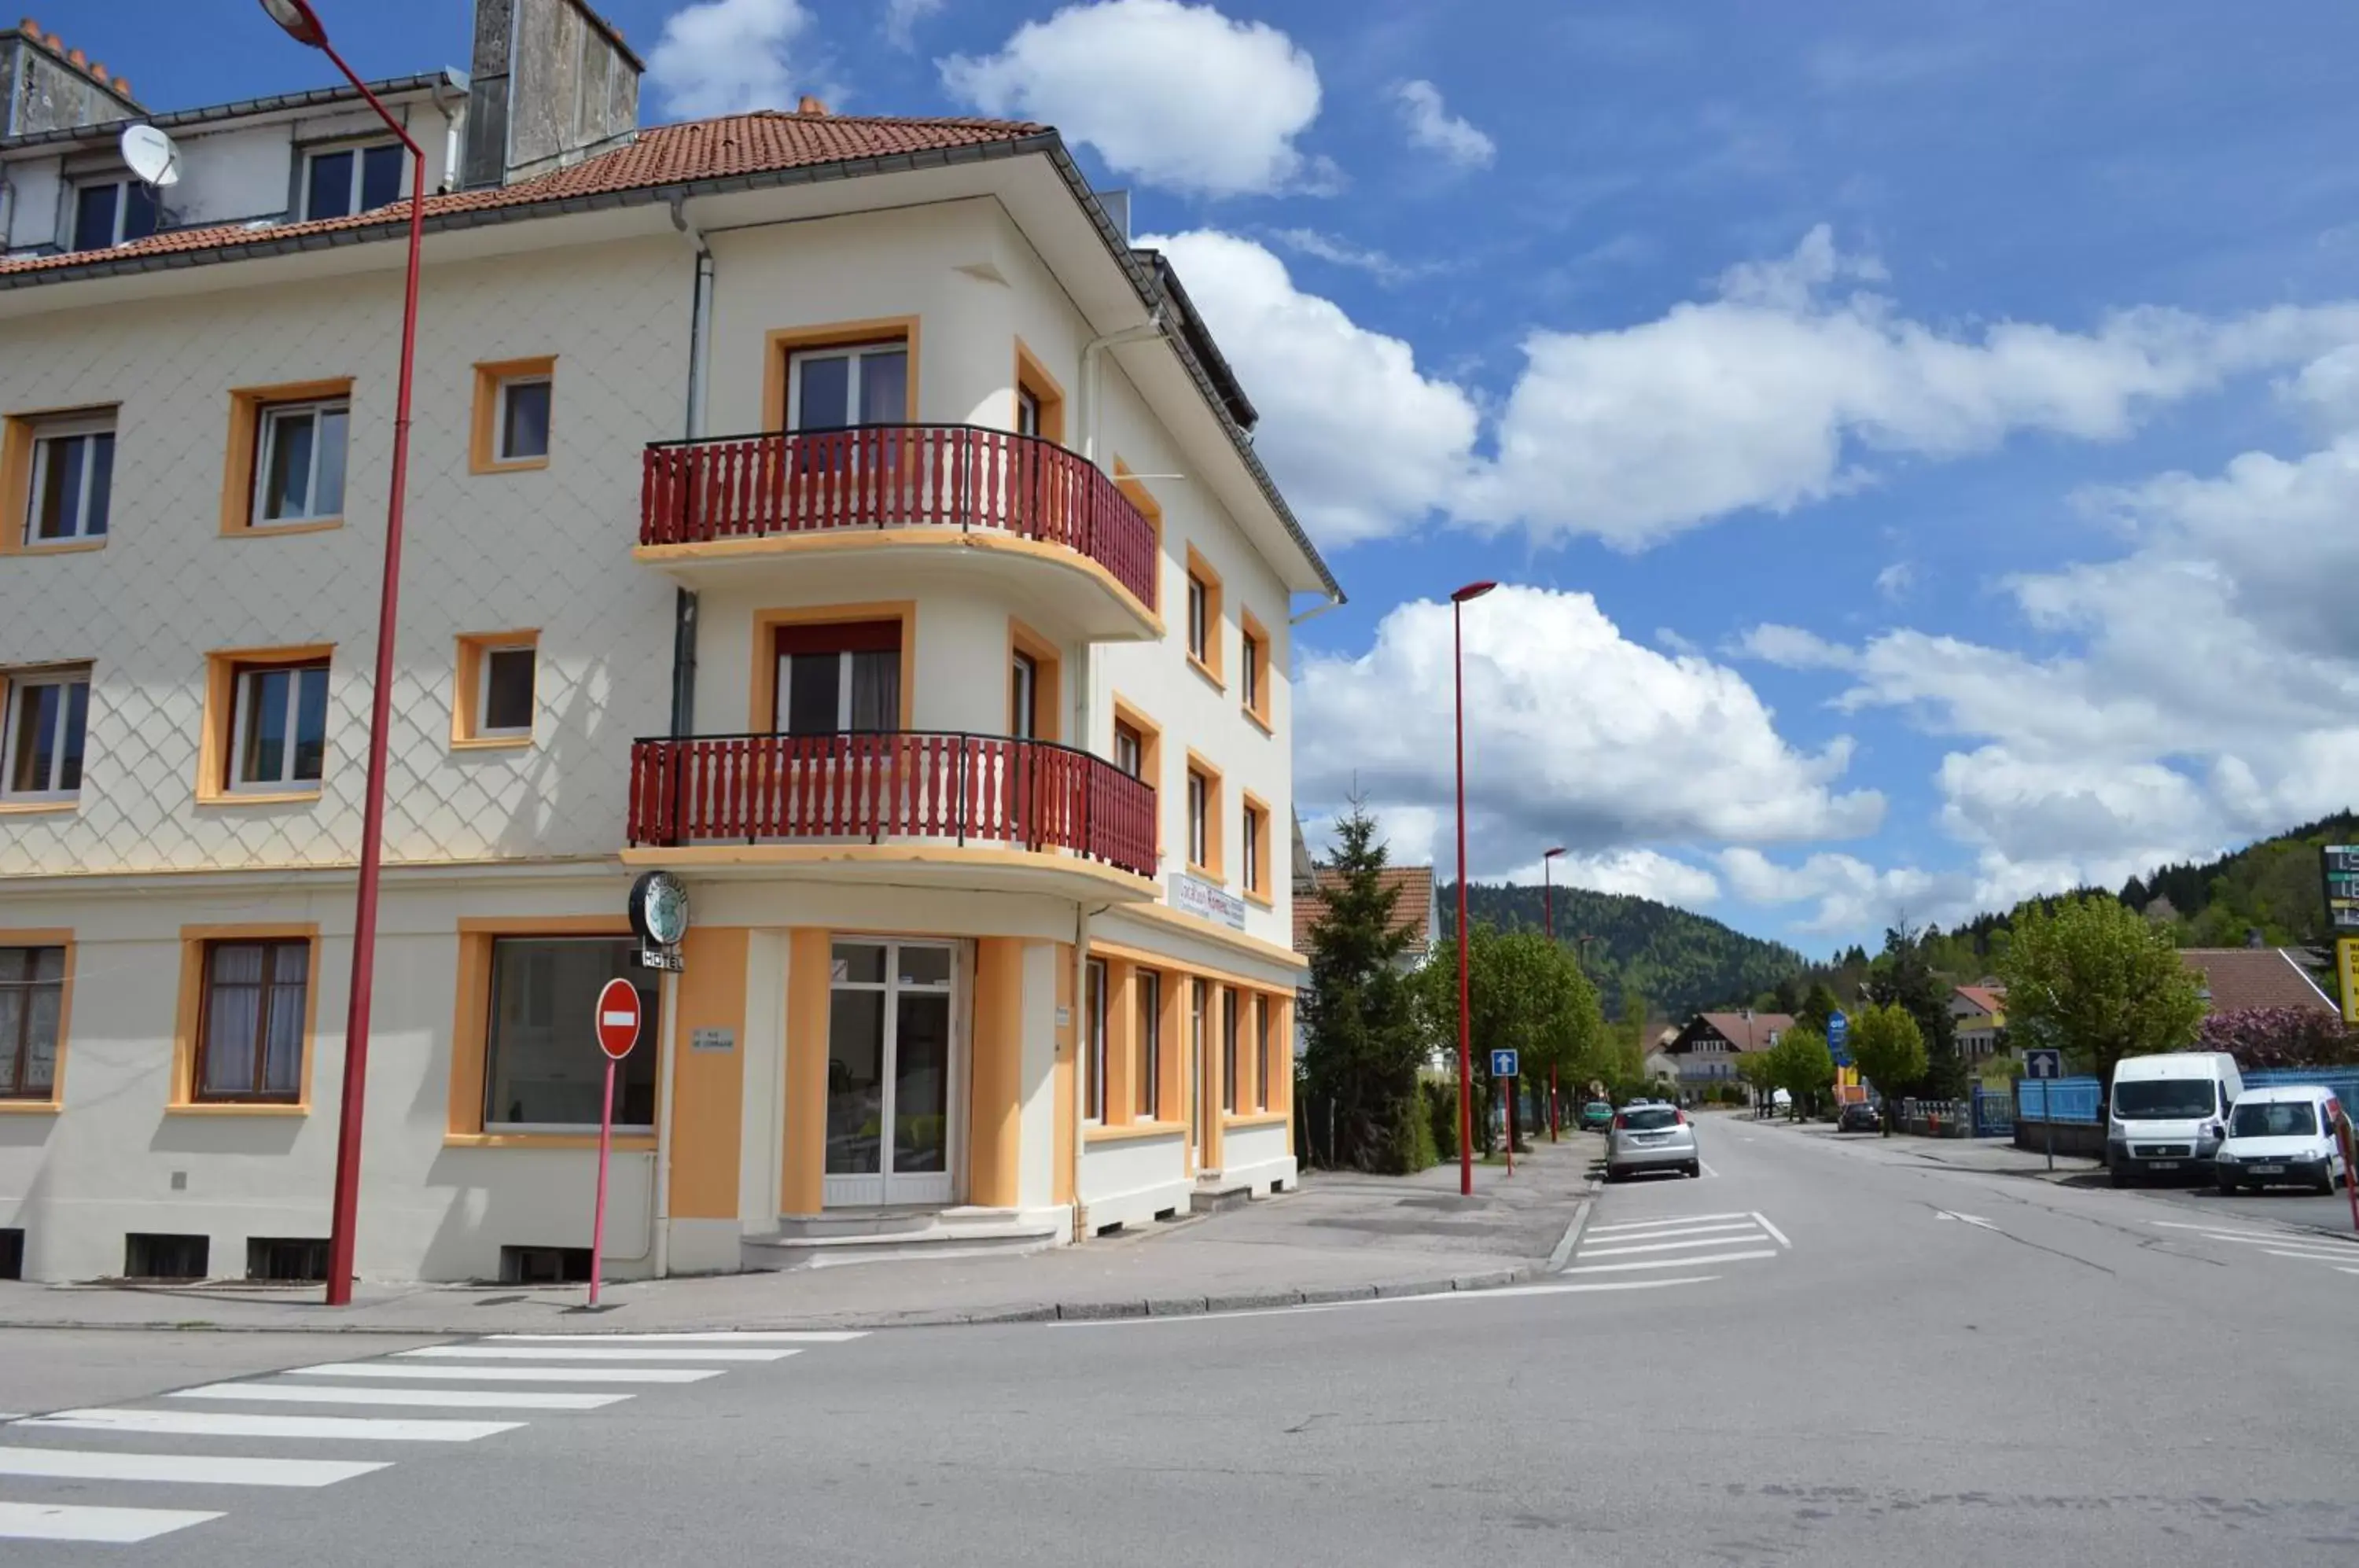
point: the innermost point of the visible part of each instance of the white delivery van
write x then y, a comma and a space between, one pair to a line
2169, 1113
2292, 1133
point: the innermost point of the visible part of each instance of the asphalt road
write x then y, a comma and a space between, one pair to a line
1820, 1353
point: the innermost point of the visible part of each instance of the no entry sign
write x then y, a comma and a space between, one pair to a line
618, 1018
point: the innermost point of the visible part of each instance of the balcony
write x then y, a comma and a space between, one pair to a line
1049, 528
1017, 813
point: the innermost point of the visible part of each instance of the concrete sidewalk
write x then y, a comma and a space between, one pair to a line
1338, 1237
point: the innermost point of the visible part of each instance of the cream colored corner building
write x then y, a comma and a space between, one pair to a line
836, 512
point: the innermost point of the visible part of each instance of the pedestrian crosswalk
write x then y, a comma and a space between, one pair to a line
1685, 1243
2299, 1247
77, 1474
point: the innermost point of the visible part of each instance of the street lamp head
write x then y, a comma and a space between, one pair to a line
1552, 854
1472, 591
301, 23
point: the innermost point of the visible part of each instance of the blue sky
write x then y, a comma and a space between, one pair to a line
1922, 442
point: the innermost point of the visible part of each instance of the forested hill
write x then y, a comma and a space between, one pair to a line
1678, 962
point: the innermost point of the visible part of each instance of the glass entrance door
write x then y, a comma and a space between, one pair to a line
890, 1073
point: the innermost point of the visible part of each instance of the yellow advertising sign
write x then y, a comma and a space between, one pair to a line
2346, 969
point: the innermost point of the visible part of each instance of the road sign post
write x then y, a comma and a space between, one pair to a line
1504, 1064
2045, 1063
618, 1019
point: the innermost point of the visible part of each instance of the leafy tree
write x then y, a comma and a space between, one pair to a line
2280, 1037
1523, 994
1903, 976
2094, 977
1361, 1046
1801, 1065
1627, 1061
1889, 1049
1758, 1072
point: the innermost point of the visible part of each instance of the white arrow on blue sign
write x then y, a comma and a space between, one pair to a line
2043, 1062
1503, 1064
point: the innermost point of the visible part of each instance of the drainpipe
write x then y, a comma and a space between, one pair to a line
1334, 602
1093, 374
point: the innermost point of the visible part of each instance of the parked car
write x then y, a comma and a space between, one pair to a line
1860, 1117
1595, 1116
2282, 1134
2168, 1113
1651, 1138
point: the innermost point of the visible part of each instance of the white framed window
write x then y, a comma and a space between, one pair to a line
835, 679
1253, 668
836, 389
1253, 823
523, 419
1200, 619
73, 480
340, 182
1027, 412
109, 212
504, 695
1093, 1051
298, 467
1129, 749
279, 731
1199, 837
46, 710
1023, 697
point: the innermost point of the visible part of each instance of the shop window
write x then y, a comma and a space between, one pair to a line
1229, 1054
1262, 1065
1148, 984
1093, 1051
540, 1072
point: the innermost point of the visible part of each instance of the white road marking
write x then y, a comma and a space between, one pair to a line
2219, 1230
1668, 1262
453, 1399
1774, 1231
1667, 1219
1651, 1232
590, 1353
231, 1423
202, 1469
2347, 1271
1705, 1166
508, 1374
1975, 1220
1426, 1299
2283, 1238
1661, 1245
709, 1337
2311, 1257
114, 1527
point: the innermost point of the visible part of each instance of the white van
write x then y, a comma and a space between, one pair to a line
2288, 1134
2169, 1113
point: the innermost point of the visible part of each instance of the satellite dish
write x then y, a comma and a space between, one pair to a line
152, 155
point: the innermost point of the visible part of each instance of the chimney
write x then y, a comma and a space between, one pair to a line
809, 106
45, 86
552, 83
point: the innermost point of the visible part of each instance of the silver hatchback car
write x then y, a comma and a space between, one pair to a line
1651, 1138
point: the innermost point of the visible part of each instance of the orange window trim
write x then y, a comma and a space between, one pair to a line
190, 1019
47, 936
1047, 685
761, 717
484, 427
782, 343
1214, 796
1211, 665
1033, 377
222, 667
467, 691
18, 432
1257, 811
1259, 653
470, 1023
245, 407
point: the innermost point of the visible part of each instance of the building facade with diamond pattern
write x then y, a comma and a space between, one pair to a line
836, 513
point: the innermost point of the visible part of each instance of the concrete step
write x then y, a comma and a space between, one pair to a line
953, 1233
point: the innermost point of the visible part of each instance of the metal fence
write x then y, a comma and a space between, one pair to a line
1994, 1112
2078, 1100
1937, 1118
2343, 1083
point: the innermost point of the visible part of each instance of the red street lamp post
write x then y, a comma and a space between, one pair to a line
1465, 1018
303, 26
1548, 922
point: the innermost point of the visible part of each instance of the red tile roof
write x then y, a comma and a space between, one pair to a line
734, 145
1989, 998
2243, 978
1412, 911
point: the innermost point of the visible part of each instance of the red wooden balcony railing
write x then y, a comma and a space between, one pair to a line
891, 476
898, 785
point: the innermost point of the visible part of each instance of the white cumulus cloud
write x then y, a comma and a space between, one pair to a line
1433, 127
1575, 736
1177, 95
901, 19
723, 57
1364, 443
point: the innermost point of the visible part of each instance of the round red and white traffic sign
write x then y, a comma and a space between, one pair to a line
618, 1018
